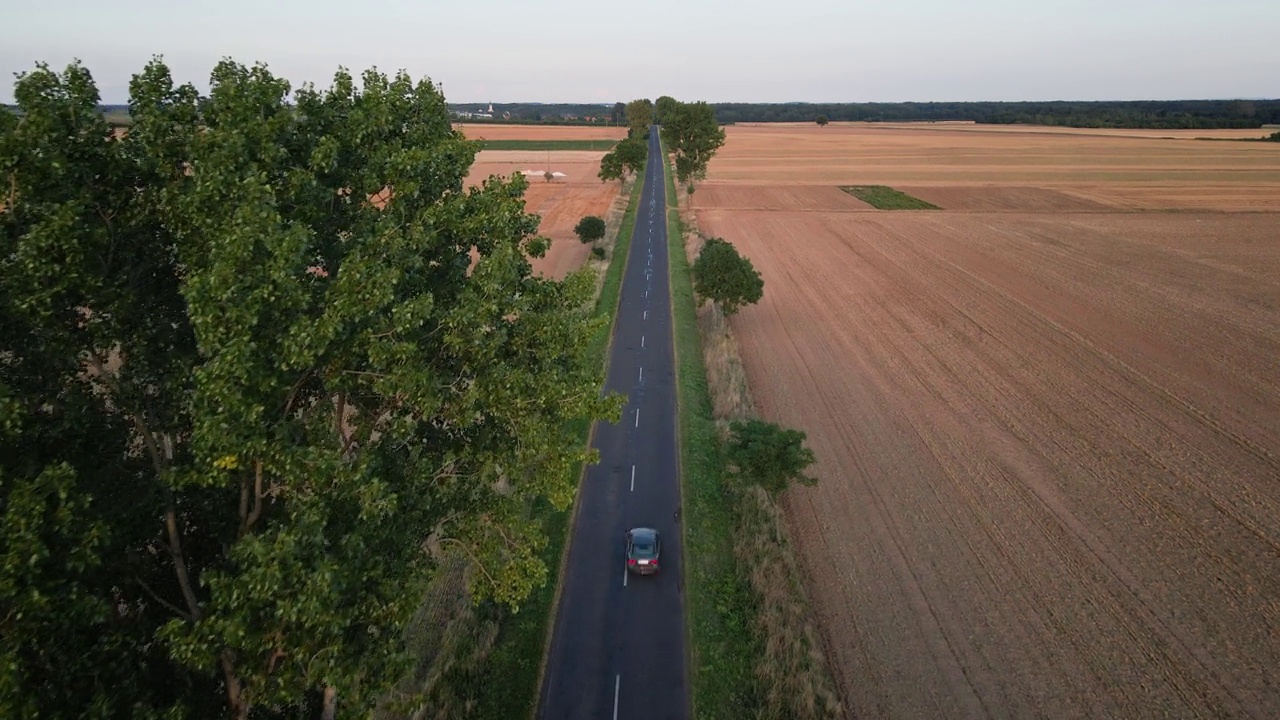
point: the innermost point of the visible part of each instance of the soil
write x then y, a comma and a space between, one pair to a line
561, 202
478, 131
1048, 442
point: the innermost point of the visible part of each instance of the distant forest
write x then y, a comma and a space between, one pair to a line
1158, 114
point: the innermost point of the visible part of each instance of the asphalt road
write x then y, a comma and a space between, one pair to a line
618, 646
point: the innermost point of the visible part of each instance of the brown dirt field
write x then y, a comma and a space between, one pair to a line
477, 131
1048, 454
1047, 418
1130, 172
561, 203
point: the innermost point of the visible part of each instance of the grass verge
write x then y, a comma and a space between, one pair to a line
883, 197
777, 657
507, 687
722, 642
547, 144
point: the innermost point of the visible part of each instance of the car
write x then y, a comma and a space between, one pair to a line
643, 548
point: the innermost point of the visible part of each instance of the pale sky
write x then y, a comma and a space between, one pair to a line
715, 50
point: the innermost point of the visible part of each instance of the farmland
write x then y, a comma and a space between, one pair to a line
561, 202
1046, 417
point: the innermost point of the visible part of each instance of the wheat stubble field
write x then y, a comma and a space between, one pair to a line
562, 202
1047, 417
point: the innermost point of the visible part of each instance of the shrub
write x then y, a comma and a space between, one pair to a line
822, 120
597, 253
589, 229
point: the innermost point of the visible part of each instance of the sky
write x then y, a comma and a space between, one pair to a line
715, 50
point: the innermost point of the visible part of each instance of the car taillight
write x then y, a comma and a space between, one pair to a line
631, 561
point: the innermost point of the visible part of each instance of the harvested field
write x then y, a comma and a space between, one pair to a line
503, 131
561, 203
1048, 441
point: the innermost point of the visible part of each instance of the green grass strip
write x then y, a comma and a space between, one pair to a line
883, 197
508, 687
722, 641
547, 145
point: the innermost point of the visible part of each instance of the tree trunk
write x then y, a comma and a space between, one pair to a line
330, 703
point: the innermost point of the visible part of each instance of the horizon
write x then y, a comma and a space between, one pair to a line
572, 51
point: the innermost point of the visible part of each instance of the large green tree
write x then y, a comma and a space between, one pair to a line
725, 277
639, 117
692, 135
663, 106
262, 360
627, 157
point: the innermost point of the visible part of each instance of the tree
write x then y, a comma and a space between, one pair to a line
723, 276
589, 229
639, 117
251, 374
663, 106
628, 156
822, 120
768, 455
691, 133
618, 114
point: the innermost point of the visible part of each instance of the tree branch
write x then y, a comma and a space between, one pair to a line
474, 561
181, 613
247, 521
235, 696
293, 391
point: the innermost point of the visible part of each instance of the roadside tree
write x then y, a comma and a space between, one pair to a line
251, 374
822, 120
768, 455
723, 276
692, 135
627, 157
639, 117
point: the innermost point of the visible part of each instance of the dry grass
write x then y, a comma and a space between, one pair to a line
794, 680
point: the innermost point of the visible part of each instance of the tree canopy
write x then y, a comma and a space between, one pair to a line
723, 276
691, 134
261, 358
590, 228
627, 157
768, 455
640, 117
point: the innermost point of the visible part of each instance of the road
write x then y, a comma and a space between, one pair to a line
618, 646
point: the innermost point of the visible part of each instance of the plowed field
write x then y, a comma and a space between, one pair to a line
561, 202
1048, 442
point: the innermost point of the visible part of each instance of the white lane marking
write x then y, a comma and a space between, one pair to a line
641, 341
641, 375
633, 478
624, 583
637, 417
617, 685
646, 293
646, 314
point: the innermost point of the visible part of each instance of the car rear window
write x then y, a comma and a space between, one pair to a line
643, 549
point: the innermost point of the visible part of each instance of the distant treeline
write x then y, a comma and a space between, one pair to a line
1161, 114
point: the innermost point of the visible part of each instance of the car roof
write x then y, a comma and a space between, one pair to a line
643, 532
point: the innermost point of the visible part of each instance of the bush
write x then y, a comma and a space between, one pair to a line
723, 276
597, 253
589, 229
762, 453
822, 120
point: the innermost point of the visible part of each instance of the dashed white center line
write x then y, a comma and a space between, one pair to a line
617, 685
637, 417
641, 341
633, 478
624, 584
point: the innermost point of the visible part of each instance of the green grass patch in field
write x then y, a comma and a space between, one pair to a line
884, 197
723, 643
508, 686
547, 144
